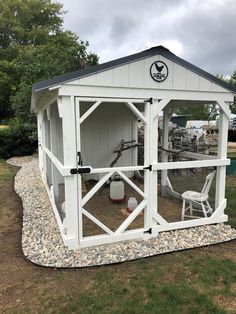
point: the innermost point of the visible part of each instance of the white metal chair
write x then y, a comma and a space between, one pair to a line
200, 199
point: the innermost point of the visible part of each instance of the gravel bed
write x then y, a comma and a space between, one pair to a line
43, 245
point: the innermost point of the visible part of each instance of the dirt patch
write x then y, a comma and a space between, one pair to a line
23, 284
226, 303
113, 214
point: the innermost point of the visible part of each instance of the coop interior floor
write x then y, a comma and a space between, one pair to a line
113, 214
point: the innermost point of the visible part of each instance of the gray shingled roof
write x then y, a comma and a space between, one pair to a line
118, 62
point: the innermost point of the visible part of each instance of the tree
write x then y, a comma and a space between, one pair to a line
206, 112
231, 81
34, 46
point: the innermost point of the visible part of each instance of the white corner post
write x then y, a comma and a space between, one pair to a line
220, 201
79, 177
147, 160
40, 139
154, 159
66, 107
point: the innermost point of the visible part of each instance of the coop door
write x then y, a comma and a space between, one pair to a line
111, 156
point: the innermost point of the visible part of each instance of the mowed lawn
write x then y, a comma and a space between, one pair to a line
193, 281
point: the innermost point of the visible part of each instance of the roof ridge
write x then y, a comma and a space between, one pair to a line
128, 59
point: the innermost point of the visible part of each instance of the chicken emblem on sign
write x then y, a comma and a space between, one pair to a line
159, 71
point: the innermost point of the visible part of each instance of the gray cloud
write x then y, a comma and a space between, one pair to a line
202, 32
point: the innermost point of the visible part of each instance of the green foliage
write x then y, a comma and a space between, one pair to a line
231, 81
34, 47
209, 111
19, 139
205, 112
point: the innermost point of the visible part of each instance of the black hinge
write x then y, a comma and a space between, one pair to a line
80, 159
149, 100
148, 231
148, 168
80, 170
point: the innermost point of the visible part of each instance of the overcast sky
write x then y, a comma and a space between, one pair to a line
202, 32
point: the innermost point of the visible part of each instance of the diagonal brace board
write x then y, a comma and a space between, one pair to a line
89, 111
136, 111
97, 222
225, 108
96, 187
134, 186
159, 106
131, 217
159, 219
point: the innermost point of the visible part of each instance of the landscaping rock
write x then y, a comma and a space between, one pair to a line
42, 243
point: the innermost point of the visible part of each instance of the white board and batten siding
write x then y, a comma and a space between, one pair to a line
137, 75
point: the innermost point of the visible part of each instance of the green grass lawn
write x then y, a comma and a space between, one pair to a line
6, 171
184, 282
192, 281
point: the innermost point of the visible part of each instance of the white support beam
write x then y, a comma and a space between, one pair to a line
123, 169
106, 239
89, 111
222, 153
224, 107
134, 186
83, 91
96, 187
67, 112
159, 219
147, 163
191, 223
48, 109
49, 102
64, 171
191, 164
136, 111
131, 217
79, 177
40, 139
97, 222
152, 206
219, 211
111, 100
159, 106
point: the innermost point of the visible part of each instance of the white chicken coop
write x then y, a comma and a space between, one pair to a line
82, 118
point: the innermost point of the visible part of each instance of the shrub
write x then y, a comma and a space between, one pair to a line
20, 139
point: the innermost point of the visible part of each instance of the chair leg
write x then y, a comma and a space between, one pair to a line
204, 210
191, 208
183, 210
210, 210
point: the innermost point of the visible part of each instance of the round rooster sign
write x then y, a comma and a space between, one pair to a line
159, 71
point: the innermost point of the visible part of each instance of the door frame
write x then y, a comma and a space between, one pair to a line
149, 188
